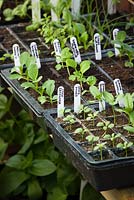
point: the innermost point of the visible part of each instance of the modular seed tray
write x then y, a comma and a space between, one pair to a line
103, 174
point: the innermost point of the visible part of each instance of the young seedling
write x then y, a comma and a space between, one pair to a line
48, 88
65, 60
92, 140
81, 131
128, 108
69, 119
124, 48
106, 125
92, 116
128, 128
125, 146
112, 137
100, 147
78, 74
84, 110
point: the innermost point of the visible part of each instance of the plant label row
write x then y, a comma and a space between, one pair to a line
97, 46
77, 98
16, 56
75, 50
57, 49
60, 102
34, 52
118, 90
116, 46
102, 103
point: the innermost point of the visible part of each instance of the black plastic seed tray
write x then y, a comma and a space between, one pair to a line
115, 172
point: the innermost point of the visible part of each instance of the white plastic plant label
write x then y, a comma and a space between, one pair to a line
118, 90
116, 46
57, 49
77, 98
60, 102
34, 52
36, 11
75, 7
97, 46
75, 49
111, 7
102, 103
54, 17
16, 56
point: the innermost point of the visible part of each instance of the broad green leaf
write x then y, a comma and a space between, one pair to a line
17, 162
128, 102
109, 98
100, 124
95, 92
11, 180
71, 63
34, 189
15, 76
129, 128
24, 58
29, 140
121, 36
33, 71
58, 67
72, 77
3, 148
8, 14
49, 85
91, 80
27, 85
110, 54
78, 130
57, 194
84, 37
131, 117
42, 167
84, 66
42, 99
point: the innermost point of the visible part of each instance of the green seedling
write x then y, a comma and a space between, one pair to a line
20, 10
106, 125
112, 137
125, 49
128, 128
84, 110
70, 119
100, 147
81, 131
66, 60
78, 74
92, 140
47, 92
125, 146
128, 109
92, 116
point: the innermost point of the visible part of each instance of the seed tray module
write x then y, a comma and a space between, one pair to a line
90, 148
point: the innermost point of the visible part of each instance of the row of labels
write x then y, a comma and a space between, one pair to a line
75, 48
77, 97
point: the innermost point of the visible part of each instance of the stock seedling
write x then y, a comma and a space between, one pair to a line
81, 131
99, 147
106, 125
70, 119
125, 146
92, 139
112, 137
